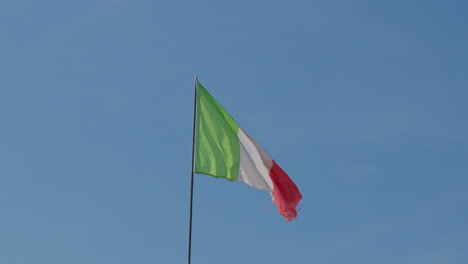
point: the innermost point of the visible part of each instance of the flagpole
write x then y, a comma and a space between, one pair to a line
191, 176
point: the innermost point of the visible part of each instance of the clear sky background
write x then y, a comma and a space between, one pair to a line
363, 103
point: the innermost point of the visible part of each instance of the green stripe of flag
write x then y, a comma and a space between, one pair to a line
217, 145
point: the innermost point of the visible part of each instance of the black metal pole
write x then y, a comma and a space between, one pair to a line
191, 176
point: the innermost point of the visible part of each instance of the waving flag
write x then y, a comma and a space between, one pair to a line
224, 150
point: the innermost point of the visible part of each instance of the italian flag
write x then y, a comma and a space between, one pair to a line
225, 150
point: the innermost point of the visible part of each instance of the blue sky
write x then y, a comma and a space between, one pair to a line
363, 103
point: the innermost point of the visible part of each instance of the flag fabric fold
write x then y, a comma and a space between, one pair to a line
224, 150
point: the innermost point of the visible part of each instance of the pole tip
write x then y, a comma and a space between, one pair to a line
196, 78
